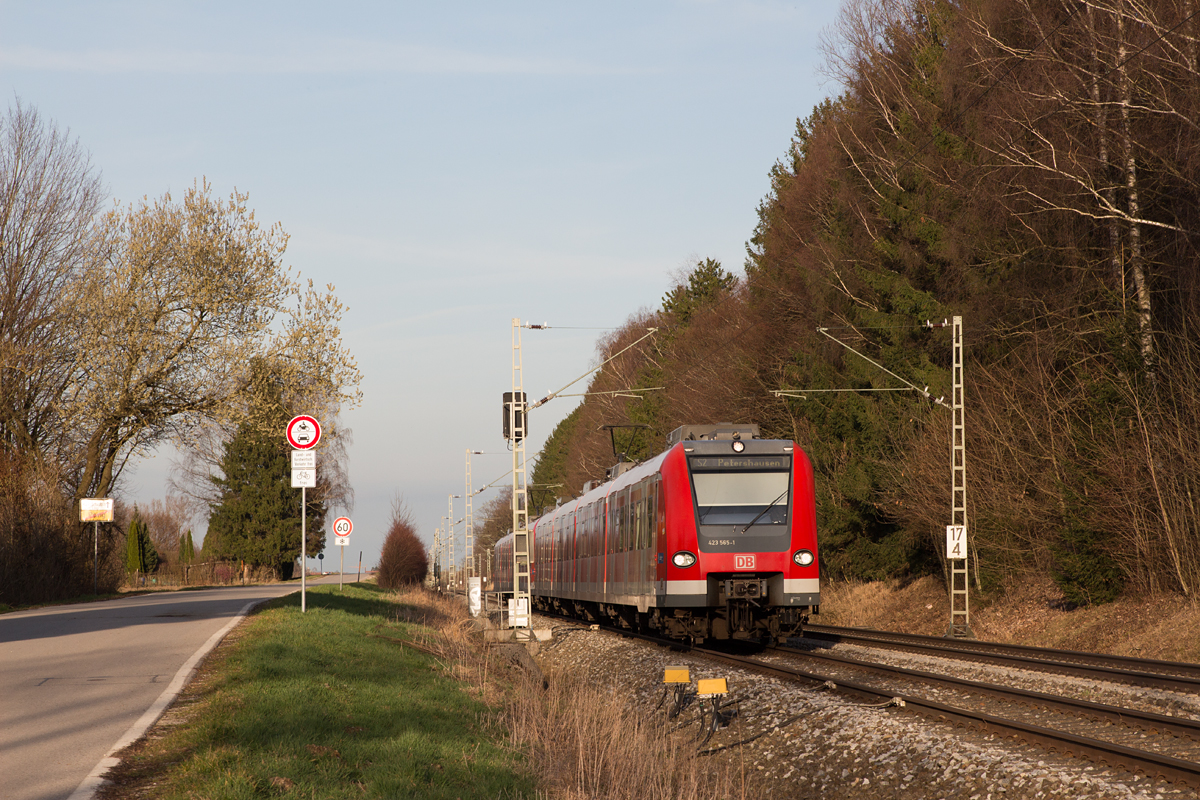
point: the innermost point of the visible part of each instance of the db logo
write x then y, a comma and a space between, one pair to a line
741, 562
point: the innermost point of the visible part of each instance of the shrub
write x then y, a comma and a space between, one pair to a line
403, 561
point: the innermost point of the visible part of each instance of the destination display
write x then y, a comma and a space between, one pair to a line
750, 463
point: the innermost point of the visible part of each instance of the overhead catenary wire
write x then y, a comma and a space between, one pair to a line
649, 332
909, 386
545, 326
615, 392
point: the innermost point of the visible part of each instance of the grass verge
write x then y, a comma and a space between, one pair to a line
359, 697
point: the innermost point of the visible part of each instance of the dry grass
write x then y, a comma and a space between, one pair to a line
916, 607
581, 741
1033, 612
587, 745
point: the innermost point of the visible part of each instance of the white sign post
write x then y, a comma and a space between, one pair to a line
956, 542
303, 433
304, 469
341, 535
474, 595
97, 510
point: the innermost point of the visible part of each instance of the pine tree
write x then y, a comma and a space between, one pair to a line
187, 548
140, 553
257, 519
706, 283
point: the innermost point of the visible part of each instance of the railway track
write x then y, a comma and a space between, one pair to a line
1157, 745
1141, 672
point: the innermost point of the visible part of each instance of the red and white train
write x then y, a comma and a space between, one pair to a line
715, 538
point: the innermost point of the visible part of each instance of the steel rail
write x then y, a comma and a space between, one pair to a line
1144, 720
1101, 752
1098, 751
1171, 675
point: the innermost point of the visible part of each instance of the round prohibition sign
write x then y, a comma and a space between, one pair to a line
342, 526
303, 432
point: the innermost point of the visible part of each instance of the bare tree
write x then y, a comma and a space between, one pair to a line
167, 519
49, 195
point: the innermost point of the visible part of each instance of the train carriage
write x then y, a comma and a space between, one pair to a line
714, 538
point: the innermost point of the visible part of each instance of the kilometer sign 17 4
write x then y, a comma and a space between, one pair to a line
303, 432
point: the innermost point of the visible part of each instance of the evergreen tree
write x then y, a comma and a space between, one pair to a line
549, 476
706, 283
140, 553
187, 548
257, 519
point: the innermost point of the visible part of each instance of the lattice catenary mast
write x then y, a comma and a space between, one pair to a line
517, 416
960, 601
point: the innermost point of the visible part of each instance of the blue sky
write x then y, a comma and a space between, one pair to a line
448, 167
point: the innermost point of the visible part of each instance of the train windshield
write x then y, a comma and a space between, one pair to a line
752, 490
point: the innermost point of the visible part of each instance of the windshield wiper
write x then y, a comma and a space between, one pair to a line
764, 511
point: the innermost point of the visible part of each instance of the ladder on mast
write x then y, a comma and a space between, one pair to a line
960, 601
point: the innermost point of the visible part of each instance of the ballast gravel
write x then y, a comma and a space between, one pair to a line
801, 742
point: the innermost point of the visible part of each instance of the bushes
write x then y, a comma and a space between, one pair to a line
403, 561
45, 553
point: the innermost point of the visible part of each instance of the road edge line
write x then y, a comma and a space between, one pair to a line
95, 779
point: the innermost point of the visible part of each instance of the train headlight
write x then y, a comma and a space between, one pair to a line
683, 559
738, 446
803, 557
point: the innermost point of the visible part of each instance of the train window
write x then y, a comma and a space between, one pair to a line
634, 522
636, 538
614, 519
652, 517
743, 495
631, 511
595, 529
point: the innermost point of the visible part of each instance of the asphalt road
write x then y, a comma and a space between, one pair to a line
75, 680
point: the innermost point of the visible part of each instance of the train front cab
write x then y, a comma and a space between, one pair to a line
747, 513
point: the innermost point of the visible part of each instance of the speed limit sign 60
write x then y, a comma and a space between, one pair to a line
342, 526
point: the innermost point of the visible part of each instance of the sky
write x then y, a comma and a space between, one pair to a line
448, 167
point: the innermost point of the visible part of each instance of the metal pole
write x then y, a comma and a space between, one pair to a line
303, 551
468, 524
518, 420
960, 602
359, 578
437, 558
96, 558
341, 566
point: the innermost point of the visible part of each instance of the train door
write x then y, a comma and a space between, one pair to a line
610, 503
648, 549
630, 555
588, 570
552, 546
569, 559
595, 547
660, 535
541, 557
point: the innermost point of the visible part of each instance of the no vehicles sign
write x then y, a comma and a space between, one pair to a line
303, 432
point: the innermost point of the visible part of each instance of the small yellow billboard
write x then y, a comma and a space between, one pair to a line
93, 509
